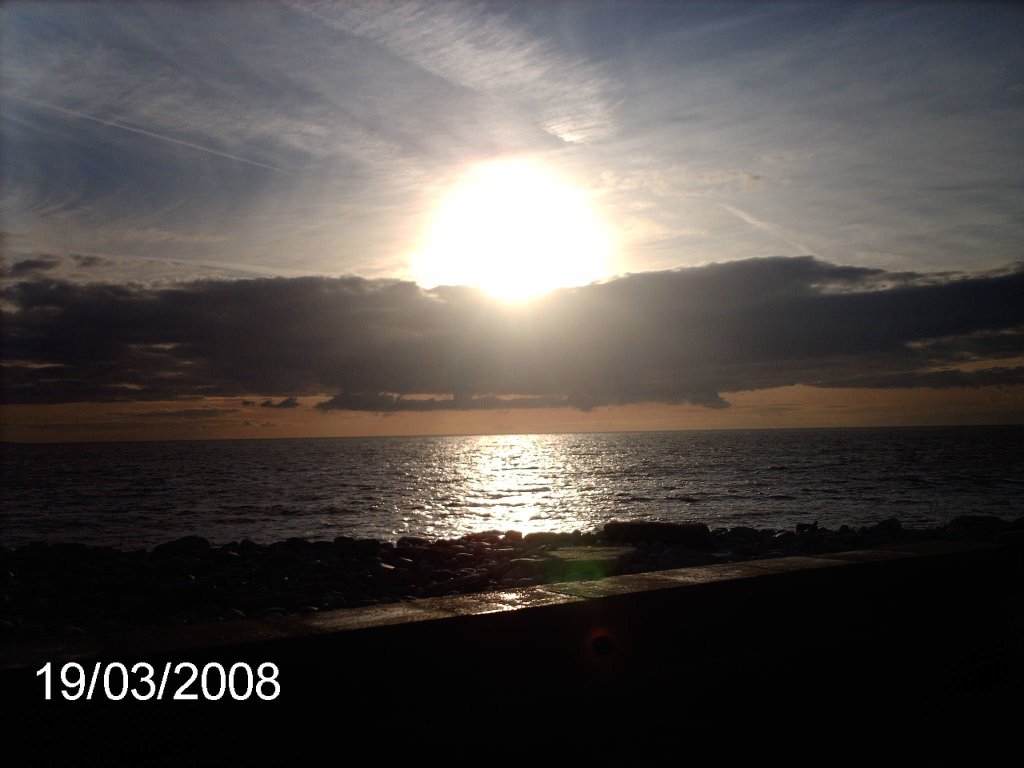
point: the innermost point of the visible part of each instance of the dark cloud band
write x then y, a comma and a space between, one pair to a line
383, 345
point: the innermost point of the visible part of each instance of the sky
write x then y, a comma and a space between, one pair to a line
226, 220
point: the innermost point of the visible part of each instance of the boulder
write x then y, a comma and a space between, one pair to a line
549, 539
889, 526
187, 545
694, 535
976, 526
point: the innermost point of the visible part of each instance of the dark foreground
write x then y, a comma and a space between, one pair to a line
67, 590
909, 646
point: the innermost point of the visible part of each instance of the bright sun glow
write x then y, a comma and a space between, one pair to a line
515, 230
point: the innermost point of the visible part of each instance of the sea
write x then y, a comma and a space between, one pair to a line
140, 494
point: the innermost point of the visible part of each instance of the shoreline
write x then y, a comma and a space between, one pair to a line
51, 591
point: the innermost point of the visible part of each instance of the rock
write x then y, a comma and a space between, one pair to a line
802, 529
278, 557
180, 583
890, 526
248, 548
412, 541
345, 544
549, 539
424, 569
487, 537
976, 526
522, 567
498, 569
369, 547
744, 532
694, 535
187, 545
421, 554
742, 540
69, 551
324, 548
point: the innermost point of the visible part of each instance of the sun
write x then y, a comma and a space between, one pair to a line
515, 230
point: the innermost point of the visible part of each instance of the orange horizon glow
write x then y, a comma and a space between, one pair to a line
781, 408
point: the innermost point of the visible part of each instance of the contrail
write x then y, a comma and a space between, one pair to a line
150, 134
765, 226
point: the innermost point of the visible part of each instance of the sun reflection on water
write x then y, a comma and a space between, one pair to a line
525, 483
513, 481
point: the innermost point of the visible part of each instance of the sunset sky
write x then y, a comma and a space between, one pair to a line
273, 220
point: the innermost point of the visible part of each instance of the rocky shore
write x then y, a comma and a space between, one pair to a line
52, 590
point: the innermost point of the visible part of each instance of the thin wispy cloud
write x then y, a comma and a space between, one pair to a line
766, 227
881, 136
486, 52
151, 134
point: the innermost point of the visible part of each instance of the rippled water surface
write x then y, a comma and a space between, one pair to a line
141, 494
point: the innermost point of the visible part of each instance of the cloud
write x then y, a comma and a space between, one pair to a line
151, 134
488, 53
155, 235
954, 377
387, 403
183, 413
89, 261
765, 226
288, 402
678, 336
31, 266
148, 130
198, 134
